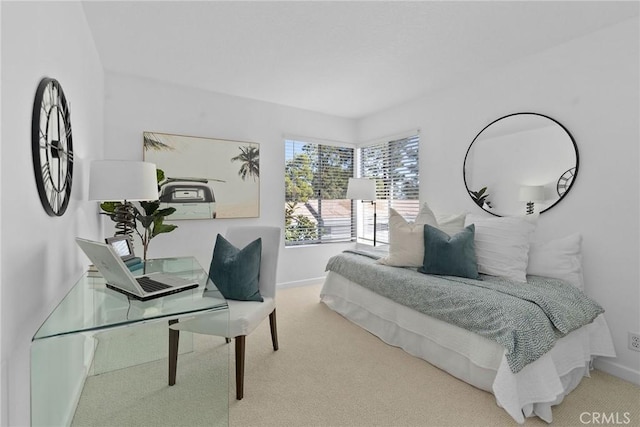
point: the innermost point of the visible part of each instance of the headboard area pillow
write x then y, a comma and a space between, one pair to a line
451, 223
502, 245
406, 239
559, 258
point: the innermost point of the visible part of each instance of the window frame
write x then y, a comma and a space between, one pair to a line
318, 144
384, 195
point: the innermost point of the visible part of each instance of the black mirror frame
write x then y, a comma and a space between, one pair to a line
573, 141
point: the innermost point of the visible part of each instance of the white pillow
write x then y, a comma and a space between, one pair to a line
559, 258
451, 224
406, 239
502, 245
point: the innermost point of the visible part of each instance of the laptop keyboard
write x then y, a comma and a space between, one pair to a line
150, 285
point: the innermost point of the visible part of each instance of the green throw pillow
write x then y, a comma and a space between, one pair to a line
449, 255
236, 272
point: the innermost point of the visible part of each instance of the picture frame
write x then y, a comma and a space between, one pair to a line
205, 178
122, 245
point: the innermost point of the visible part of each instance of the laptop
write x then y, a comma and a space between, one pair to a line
119, 277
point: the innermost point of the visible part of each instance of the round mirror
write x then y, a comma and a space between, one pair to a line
520, 164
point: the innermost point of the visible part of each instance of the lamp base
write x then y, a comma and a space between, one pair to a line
375, 223
529, 208
125, 218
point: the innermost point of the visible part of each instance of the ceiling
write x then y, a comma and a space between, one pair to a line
348, 59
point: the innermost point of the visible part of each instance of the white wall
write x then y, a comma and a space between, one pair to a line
591, 86
134, 105
40, 260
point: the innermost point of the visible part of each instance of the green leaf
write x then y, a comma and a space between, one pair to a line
163, 228
479, 195
145, 220
150, 207
159, 227
109, 207
164, 212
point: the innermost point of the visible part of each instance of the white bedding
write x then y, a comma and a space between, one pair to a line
473, 358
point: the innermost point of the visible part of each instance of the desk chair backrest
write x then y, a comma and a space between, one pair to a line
241, 236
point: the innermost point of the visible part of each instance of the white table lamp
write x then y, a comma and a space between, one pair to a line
123, 181
531, 194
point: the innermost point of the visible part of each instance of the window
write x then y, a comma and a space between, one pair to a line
394, 166
316, 207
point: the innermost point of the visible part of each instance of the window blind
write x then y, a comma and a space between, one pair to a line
316, 207
394, 165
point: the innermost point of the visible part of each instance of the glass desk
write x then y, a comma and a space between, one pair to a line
94, 323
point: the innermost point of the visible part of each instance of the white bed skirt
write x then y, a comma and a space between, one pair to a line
471, 357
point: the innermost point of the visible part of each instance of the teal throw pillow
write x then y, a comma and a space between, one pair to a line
449, 255
236, 272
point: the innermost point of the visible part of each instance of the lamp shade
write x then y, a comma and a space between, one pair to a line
115, 180
361, 189
531, 193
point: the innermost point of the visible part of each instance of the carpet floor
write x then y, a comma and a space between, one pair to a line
327, 372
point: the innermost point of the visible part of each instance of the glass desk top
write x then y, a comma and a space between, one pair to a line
91, 306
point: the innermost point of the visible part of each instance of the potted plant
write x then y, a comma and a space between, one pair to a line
151, 219
480, 197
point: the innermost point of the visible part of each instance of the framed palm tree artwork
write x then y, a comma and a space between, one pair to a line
205, 178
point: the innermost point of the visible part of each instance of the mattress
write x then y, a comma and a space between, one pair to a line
471, 357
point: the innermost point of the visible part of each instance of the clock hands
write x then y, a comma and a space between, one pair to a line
57, 147
56, 178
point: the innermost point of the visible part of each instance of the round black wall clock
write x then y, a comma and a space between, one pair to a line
52, 147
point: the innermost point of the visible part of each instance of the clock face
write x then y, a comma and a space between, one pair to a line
52, 147
565, 181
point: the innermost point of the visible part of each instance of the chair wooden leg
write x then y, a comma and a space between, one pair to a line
274, 330
174, 338
240, 344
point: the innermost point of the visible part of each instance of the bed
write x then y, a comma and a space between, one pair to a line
522, 389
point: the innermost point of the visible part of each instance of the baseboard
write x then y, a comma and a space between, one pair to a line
297, 283
617, 370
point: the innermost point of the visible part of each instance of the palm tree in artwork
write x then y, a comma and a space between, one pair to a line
152, 142
250, 158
